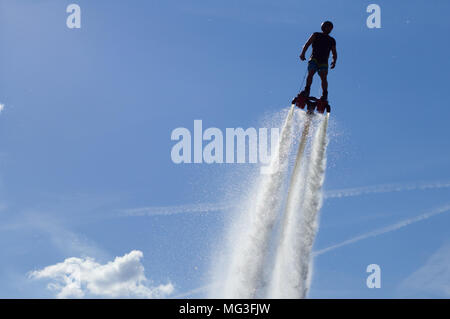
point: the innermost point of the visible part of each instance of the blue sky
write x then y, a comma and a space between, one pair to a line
87, 118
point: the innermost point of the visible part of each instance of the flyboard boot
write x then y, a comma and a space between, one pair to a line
302, 98
322, 103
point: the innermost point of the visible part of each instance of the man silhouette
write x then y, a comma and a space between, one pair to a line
322, 44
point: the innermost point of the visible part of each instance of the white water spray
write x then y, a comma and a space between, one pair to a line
242, 269
251, 233
292, 272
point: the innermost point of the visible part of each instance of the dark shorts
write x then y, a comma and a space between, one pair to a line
317, 67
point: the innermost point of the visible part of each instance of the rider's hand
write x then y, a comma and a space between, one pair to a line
302, 57
333, 64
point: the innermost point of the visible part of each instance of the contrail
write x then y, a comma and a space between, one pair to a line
193, 291
357, 191
181, 209
292, 272
338, 193
384, 230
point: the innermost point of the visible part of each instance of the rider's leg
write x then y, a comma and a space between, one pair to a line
323, 76
312, 69
309, 80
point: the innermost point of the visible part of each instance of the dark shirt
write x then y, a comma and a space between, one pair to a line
321, 47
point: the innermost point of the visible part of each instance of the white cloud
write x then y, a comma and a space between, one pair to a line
432, 279
83, 277
2, 106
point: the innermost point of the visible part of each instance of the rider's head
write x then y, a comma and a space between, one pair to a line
326, 27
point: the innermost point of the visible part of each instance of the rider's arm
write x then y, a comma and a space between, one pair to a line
334, 52
306, 46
